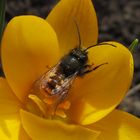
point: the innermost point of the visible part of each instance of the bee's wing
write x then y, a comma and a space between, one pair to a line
52, 70
64, 90
69, 80
45, 77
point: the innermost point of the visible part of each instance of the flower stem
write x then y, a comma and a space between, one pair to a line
2, 16
133, 45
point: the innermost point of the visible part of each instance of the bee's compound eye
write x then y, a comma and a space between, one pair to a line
83, 58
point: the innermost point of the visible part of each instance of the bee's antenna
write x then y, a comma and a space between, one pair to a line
78, 31
99, 45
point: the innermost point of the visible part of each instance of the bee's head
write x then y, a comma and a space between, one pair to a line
79, 54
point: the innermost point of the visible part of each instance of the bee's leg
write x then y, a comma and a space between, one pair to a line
90, 70
85, 68
88, 66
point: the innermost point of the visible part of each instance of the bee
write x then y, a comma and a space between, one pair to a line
56, 83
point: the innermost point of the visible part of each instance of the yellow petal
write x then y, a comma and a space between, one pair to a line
9, 103
29, 45
118, 125
23, 135
63, 17
10, 128
41, 129
96, 94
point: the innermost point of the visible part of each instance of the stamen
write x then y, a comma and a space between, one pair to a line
60, 113
65, 105
46, 105
39, 103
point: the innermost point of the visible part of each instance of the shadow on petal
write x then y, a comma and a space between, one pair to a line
9, 103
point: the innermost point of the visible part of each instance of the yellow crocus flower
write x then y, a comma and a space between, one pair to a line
30, 44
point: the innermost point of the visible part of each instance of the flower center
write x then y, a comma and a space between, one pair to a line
44, 98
